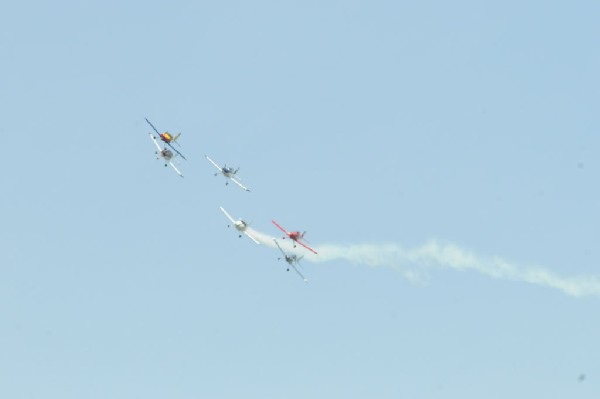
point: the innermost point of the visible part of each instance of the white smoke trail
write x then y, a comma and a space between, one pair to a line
413, 263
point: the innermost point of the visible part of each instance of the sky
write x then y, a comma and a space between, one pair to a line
443, 159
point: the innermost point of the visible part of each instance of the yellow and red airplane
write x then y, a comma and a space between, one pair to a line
167, 138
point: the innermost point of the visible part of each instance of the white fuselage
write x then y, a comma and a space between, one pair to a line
166, 154
290, 259
240, 225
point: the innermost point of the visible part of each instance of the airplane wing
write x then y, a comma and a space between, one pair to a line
228, 215
213, 162
280, 228
250, 237
177, 151
300, 274
276, 243
152, 126
175, 168
155, 142
306, 246
233, 179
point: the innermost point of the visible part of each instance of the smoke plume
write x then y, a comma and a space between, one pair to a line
414, 263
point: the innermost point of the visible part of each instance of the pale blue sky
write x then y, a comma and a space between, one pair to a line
364, 122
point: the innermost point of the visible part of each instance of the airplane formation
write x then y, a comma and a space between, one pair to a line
168, 153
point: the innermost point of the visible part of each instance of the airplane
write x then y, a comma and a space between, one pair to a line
291, 259
167, 138
296, 236
240, 225
165, 154
228, 172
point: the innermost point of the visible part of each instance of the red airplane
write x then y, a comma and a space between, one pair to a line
295, 236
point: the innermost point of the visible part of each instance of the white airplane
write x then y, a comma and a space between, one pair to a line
165, 154
240, 225
292, 260
229, 173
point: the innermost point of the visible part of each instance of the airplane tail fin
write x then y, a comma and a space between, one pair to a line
304, 239
175, 138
